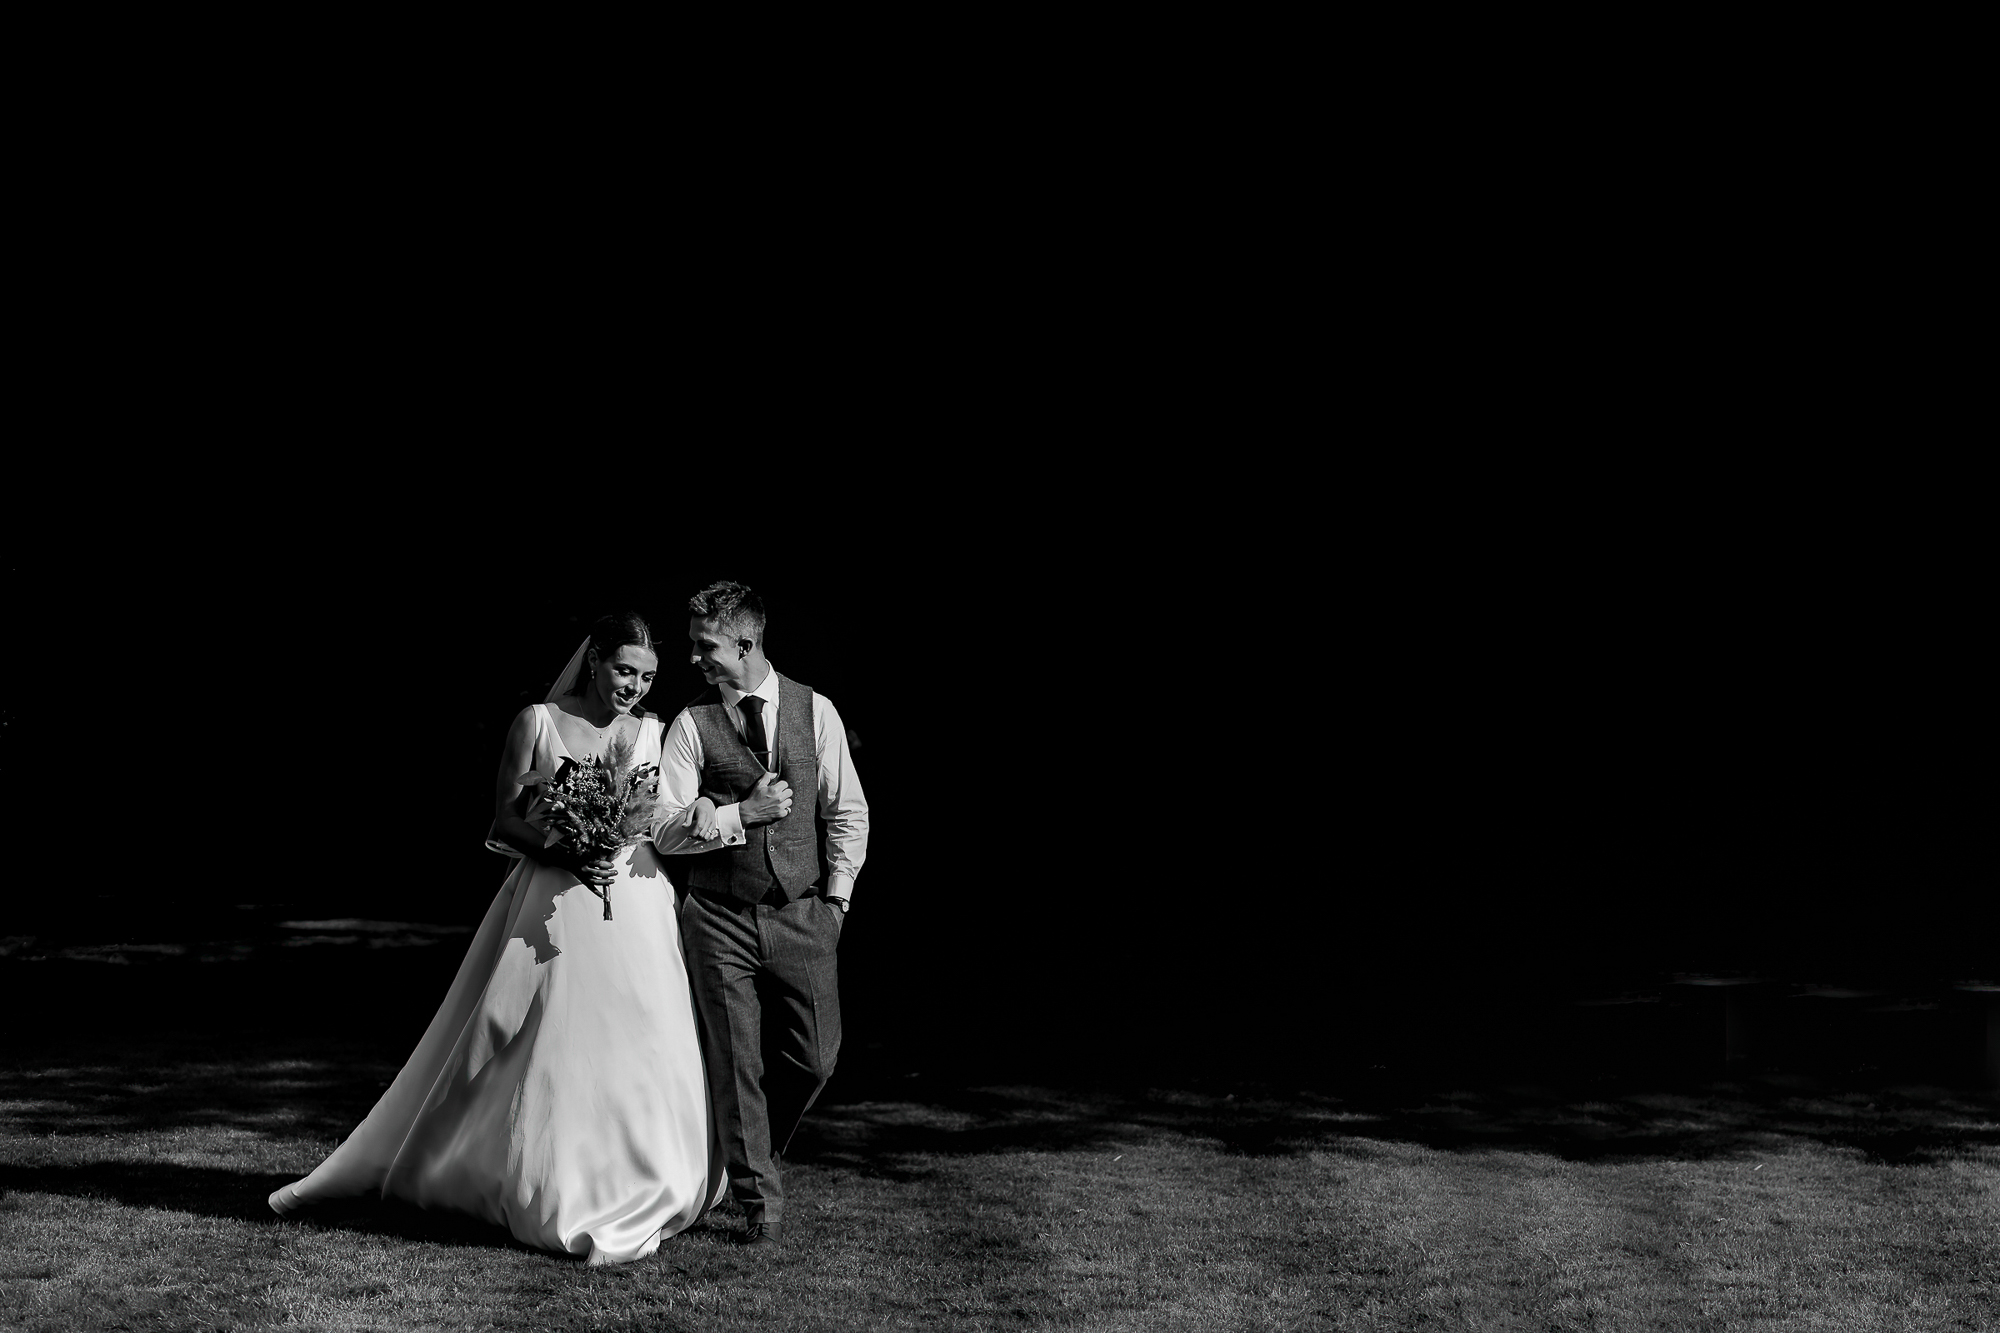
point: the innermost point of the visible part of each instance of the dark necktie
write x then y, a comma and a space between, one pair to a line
753, 728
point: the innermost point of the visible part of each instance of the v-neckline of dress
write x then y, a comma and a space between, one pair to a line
555, 732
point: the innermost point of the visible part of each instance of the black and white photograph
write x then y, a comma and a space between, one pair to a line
1099, 747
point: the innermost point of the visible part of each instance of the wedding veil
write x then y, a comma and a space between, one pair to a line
567, 677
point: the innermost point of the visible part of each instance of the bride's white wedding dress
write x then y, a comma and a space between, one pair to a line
559, 1091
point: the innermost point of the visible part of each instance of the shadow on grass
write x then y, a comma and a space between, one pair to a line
275, 1086
283, 1090
1897, 1125
208, 1191
240, 1196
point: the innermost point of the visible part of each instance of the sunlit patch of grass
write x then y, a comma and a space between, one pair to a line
134, 1185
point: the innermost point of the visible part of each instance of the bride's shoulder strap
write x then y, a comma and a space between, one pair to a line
531, 723
652, 733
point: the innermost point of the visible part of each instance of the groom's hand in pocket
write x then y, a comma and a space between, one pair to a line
767, 803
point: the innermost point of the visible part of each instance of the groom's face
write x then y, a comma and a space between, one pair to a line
715, 653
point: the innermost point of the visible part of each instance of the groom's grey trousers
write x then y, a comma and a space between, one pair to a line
766, 983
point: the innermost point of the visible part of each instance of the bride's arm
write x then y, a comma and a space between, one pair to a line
510, 804
680, 790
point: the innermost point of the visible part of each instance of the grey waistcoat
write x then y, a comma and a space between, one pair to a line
784, 854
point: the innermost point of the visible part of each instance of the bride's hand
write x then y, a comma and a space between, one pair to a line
701, 819
596, 873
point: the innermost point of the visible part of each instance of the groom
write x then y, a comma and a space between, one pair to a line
763, 913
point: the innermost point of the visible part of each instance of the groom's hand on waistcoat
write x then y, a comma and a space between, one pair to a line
769, 802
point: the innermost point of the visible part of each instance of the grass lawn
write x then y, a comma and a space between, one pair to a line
133, 1177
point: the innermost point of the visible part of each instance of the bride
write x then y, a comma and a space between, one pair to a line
559, 1090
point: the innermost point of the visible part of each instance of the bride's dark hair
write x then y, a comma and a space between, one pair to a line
608, 635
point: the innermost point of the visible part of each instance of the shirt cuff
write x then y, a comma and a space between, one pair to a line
729, 818
841, 887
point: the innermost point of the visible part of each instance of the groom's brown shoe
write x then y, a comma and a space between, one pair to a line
762, 1233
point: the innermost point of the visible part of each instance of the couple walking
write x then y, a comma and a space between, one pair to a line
561, 1090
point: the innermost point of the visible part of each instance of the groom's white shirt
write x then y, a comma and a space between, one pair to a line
842, 807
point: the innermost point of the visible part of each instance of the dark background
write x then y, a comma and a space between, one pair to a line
1302, 570
1191, 759
1286, 608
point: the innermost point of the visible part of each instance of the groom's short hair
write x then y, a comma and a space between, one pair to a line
732, 606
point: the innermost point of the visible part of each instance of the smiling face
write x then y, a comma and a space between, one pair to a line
718, 654
622, 679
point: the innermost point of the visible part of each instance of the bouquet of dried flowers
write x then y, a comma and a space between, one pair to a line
599, 807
